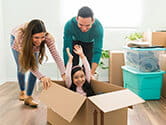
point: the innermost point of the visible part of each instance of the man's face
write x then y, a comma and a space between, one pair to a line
84, 23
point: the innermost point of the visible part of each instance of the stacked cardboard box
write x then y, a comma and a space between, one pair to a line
162, 60
110, 106
116, 61
156, 38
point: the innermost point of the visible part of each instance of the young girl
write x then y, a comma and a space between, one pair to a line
78, 79
28, 47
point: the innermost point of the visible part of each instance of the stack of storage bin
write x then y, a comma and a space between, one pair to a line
141, 73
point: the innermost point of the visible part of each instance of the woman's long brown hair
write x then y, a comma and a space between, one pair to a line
27, 59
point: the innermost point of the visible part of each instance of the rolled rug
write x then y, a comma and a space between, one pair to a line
149, 64
132, 58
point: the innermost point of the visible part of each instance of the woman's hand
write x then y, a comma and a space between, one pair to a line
46, 82
69, 54
78, 50
48, 37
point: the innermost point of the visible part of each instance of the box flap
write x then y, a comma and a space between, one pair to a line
63, 101
115, 100
103, 87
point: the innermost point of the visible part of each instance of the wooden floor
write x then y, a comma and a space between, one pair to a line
13, 112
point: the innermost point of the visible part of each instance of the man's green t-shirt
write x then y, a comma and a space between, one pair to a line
73, 33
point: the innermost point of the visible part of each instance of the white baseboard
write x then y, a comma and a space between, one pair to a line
2, 81
12, 79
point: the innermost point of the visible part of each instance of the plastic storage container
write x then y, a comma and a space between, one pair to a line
146, 85
143, 59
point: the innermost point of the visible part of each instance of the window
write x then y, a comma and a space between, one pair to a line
112, 13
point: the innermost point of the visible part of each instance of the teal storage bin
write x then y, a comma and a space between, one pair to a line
145, 84
146, 94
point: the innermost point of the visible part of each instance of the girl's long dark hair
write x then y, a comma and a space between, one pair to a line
86, 86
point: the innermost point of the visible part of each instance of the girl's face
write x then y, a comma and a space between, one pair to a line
37, 38
79, 78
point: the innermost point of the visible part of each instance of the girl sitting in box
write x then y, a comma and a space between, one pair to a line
77, 77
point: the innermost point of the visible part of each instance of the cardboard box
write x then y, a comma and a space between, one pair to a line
162, 62
66, 107
163, 93
115, 71
156, 38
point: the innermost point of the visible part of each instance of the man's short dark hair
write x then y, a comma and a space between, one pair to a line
85, 12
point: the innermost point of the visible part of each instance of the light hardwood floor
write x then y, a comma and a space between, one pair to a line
13, 112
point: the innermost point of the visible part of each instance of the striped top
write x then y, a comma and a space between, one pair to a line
17, 45
68, 80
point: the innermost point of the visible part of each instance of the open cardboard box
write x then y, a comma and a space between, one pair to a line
110, 106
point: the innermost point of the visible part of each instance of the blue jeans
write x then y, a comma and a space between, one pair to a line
20, 75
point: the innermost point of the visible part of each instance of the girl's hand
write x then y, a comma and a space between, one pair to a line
78, 50
69, 54
46, 82
63, 76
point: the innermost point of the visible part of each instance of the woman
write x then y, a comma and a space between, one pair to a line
28, 47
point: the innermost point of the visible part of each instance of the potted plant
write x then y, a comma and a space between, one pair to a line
102, 70
104, 58
136, 40
134, 37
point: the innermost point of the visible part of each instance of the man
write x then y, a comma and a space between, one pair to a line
86, 31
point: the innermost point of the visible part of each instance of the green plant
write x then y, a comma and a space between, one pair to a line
134, 36
104, 55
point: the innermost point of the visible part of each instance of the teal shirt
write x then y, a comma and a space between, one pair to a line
73, 33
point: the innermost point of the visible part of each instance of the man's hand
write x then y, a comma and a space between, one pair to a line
93, 68
69, 54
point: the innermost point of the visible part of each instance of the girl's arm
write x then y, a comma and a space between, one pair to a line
87, 68
78, 50
68, 80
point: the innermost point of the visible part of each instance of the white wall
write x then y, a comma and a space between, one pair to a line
16, 12
2, 48
154, 14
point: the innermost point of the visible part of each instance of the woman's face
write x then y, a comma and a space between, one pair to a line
37, 38
79, 78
